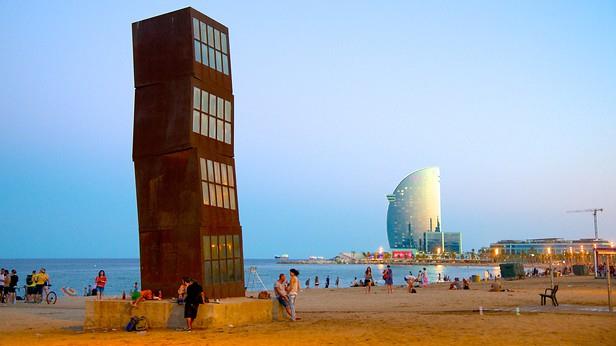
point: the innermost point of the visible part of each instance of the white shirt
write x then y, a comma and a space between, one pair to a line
280, 289
294, 287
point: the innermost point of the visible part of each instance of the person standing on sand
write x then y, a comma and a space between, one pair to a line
337, 281
327, 282
2, 285
12, 286
42, 281
368, 279
100, 281
425, 278
308, 283
389, 280
316, 282
292, 291
194, 297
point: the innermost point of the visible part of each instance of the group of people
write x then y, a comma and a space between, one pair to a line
465, 284
36, 286
317, 283
421, 280
8, 283
286, 292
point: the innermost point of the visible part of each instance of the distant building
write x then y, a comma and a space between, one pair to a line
540, 246
414, 216
452, 242
433, 242
440, 242
414, 208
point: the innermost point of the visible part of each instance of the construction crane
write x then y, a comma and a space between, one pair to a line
594, 214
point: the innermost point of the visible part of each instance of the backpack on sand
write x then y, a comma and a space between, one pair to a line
137, 324
130, 326
142, 324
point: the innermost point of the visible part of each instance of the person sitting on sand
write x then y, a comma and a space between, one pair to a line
456, 284
143, 295
410, 281
496, 286
354, 283
466, 284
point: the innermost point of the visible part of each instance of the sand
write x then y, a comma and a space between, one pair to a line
433, 316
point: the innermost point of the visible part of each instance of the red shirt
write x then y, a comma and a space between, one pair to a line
101, 281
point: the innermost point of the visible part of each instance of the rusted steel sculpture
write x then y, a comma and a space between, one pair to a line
183, 155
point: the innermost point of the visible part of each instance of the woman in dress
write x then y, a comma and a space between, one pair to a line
368, 279
101, 281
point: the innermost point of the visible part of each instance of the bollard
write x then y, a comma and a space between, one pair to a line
517, 311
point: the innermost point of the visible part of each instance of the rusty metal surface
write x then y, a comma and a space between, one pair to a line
173, 219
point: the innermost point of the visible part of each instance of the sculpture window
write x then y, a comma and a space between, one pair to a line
221, 256
207, 107
211, 47
218, 184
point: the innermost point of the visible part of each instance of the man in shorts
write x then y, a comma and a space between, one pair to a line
42, 280
30, 287
280, 289
12, 286
194, 297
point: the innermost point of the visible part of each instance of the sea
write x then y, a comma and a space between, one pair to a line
259, 273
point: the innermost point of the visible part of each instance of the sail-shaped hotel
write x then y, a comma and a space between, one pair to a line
414, 221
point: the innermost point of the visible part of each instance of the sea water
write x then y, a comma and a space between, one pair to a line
123, 273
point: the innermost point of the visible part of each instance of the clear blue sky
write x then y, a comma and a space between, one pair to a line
335, 103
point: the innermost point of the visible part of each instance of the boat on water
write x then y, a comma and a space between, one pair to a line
283, 257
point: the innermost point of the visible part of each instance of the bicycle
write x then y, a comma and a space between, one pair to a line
50, 297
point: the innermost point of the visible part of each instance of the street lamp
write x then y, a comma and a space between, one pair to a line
551, 269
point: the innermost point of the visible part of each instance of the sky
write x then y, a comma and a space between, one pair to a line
335, 103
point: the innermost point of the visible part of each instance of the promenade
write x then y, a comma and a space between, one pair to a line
434, 315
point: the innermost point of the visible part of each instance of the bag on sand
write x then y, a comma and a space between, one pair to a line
131, 324
264, 295
137, 324
142, 324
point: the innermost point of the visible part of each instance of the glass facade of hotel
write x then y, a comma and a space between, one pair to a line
452, 242
433, 242
414, 208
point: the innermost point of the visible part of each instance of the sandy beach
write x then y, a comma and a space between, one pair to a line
435, 315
